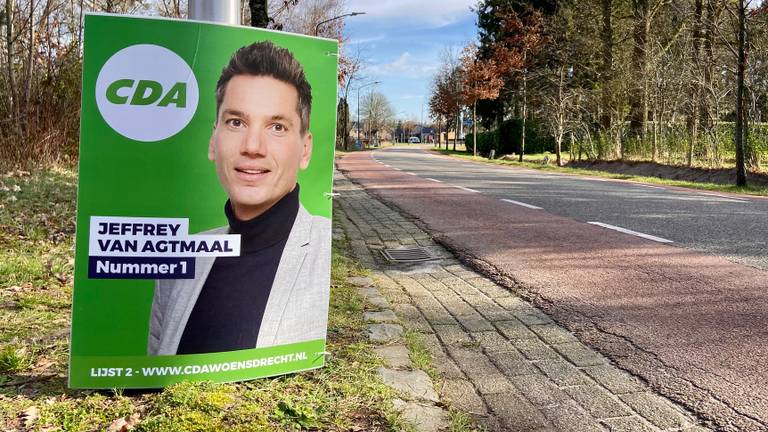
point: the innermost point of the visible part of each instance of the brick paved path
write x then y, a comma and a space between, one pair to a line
501, 360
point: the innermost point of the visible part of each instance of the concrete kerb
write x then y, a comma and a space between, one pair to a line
486, 342
420, 404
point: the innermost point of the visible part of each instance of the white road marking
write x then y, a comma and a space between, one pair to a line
398, 169
386, 165
650, 186
410, 173
434, 180
467, 189
521, 204
634, 233
724, 196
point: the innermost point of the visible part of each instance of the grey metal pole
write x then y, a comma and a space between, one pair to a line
221, 11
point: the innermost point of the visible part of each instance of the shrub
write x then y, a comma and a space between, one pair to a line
507, 138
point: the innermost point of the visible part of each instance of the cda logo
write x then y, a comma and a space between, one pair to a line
146, 93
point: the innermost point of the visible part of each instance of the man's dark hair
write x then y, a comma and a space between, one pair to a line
266, 59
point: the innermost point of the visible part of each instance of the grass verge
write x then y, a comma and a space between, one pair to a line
37, 213
749, 190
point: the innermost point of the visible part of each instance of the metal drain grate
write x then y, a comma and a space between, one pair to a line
407, 254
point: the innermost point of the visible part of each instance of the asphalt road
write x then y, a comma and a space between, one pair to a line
735, 227
693, 324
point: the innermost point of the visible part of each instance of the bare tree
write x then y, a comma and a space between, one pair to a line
172, 8
558, 109
377, 112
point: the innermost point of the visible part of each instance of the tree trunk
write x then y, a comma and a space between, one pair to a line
456, 134
30, 59
560, 117
342, 132
259, 13
655, 149
692, 121
607, 67
474, 129
740, 130
447, 131
80, 27
706, 116
638, 96
525, 115
9, 50
439, 133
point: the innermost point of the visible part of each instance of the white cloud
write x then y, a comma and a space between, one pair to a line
433, 13
405, 66
365, 40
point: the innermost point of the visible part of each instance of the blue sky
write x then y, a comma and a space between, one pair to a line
401, 42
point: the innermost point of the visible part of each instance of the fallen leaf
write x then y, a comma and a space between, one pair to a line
44, 363
29, 416
61, 277
124, 424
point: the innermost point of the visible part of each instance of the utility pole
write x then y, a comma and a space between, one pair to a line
220, 11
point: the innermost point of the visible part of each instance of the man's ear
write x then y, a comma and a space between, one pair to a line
306, 153
211, 151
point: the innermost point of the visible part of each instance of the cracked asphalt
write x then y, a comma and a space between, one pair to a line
691, 323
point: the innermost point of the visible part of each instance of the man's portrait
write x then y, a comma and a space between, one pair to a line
276, 292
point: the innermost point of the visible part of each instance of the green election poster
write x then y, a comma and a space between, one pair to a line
203, 239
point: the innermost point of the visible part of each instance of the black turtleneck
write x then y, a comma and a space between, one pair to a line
230, 308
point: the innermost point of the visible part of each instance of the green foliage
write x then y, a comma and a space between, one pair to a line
418, 352
296, 416
507, 138
14, 359
460, 421
93, 411
485, 142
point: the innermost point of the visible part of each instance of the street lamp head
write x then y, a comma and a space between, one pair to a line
351, 14
368, 84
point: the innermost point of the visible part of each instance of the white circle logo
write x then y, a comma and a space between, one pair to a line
146, 93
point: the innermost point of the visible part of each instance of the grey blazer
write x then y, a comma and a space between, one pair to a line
297, 309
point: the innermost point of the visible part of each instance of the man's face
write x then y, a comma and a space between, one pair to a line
257, 143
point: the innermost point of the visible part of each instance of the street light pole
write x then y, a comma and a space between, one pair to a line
358, 110
221, 11
351, 14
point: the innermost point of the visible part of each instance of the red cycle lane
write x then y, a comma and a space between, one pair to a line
694, 326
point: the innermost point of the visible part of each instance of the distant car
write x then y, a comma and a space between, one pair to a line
414, 140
